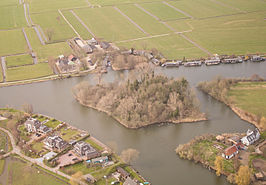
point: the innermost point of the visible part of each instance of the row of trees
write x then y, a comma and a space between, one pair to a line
145, 100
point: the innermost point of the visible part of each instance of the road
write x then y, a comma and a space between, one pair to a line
186, 14
3, 62
17, 150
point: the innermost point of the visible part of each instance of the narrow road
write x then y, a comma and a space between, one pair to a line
184, 13
41, 31
25, 14
141, 29
69, 23
85, 26
16, 150
27, 40
147, 12
39, 35
28, 13
3, 62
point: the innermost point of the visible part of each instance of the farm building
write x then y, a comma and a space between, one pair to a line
230, 152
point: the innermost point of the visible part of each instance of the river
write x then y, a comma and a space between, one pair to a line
158, 161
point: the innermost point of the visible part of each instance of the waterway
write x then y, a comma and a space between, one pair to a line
158, 161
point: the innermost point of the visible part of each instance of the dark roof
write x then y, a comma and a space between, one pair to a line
123, 172
129, 181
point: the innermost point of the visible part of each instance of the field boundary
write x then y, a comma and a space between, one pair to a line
178, 10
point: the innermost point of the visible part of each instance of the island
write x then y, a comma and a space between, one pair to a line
147, 100
51, 151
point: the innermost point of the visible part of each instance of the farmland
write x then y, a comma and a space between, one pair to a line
184, 28
19, 60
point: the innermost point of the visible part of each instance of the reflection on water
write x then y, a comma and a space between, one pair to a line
158, 161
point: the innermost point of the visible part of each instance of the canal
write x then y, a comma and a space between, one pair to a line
158, 161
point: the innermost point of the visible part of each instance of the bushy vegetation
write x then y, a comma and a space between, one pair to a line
149, 99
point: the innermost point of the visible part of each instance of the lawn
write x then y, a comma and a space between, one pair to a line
145, 21
19, 60
172, 46
30, 175
69, 134
38, 146
162, 11
250, 96
93, 144
28, 72
12, 17
53, 24
239, 34
109, 24
48, 50
12, 41
52, 123
203, 8
79, 167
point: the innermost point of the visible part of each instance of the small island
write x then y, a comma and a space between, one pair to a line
147, 100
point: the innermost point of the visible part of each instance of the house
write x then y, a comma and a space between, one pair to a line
32, 125
104, 45
72, 58
124, 173
55, 142
44, 129
79, 42
251, 137
85, 149
129, 181
230, 152
100, 160
87, 49
93, 41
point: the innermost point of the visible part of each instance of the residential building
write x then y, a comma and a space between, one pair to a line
251, 137
129, 181
85, 149
124, 174
44, 129
100, 160
230, 152
32, 125
55, 142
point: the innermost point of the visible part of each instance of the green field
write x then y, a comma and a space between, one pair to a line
19, 60
12, 17
8, 2
115, 2
54, 22
172, 46
28, 72
109, 24
12, 42
1, 74
162, 11
250, 96
141, 18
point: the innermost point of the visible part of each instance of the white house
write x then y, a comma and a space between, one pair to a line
251, 137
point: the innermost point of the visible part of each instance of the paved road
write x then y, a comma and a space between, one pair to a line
16, 150
117, 9
3, 62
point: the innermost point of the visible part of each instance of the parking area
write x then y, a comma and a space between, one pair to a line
68, 158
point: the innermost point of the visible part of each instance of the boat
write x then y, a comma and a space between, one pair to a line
212, 62
192, 64
172, 64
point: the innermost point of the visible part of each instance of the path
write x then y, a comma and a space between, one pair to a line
16, 150
25, 14
175, 8
39, 35
69, 23
41, 31
147, 12
3, 62
85, 26
27, 40
141, 29
28, 13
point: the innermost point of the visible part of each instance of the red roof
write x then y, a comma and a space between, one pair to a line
230, 150
70, 57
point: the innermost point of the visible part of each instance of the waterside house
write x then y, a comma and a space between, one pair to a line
33, 126
85, 150
230, 152
251, 137
55, 143
123, 173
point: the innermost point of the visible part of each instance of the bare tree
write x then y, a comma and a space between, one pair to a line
51, 62
129, 155
50, 33
28, 108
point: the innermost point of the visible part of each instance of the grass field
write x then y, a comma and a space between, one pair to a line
115, 2
172, 46
48, 50
162, 11
141, 18
3, 141
109, 24
8, 2
12, 42
54, 22
30, 174
69, 134
1, 74
28, 72
18, 60
250, 96
12, 17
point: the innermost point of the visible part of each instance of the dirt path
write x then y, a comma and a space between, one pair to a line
141, 29
147, 12
39, 35
184, 13
85, 26
42, 33
27, 40
28, 13
3, 62
25, 14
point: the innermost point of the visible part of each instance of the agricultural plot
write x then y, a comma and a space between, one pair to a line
239, 34
172, 46
28, 72
181, 25
77, 25
18, 60
204, 8
8, 2
246, 5
145, 21
12, 17
162, 11
108, 23
54, 26
12, 42
48, 50
52, 5
116, 2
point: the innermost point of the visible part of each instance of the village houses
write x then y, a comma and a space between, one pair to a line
55, 143
85, 150
33, 126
